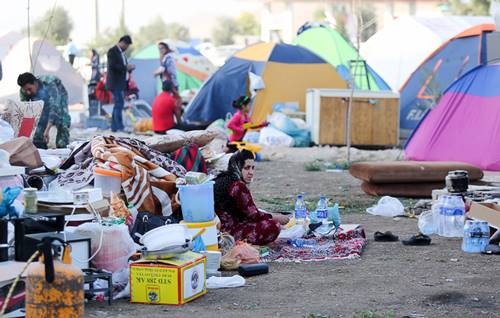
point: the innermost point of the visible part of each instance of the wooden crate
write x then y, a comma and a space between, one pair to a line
374, 120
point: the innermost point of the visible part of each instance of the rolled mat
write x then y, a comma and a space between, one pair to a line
410, 171
407, 190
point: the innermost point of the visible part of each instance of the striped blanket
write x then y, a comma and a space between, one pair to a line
147, 185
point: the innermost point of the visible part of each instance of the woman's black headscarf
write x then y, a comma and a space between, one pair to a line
233, 173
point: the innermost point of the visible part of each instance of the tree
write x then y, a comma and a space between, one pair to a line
109, 38
224, 31
369, 26
150, 33
471, 7
177, 31
247, 24
55, 25
158, 30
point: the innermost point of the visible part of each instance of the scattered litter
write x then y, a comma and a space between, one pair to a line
225, 282
387, 206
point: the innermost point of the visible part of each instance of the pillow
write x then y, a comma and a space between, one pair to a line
200, 137
22, 116
410, 171
407, 190
166, 143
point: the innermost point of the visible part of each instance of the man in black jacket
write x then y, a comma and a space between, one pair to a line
116, 80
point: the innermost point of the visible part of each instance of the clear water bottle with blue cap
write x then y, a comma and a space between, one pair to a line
322, 210
300, 209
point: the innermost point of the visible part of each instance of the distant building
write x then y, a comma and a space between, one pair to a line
280, 19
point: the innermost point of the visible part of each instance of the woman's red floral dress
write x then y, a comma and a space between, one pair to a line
243, 220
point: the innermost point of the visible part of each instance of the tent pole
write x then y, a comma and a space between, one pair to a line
359, 20
29, 39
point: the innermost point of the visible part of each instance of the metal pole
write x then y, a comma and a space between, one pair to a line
96, 12
359, 21
29, 39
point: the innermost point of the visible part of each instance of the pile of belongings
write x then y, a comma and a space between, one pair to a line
282, 131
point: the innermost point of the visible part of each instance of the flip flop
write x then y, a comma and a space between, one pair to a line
385, 237
417, 240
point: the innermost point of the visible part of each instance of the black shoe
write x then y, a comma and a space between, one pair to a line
385, 237
417, 240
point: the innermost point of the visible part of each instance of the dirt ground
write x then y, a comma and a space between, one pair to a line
390, 279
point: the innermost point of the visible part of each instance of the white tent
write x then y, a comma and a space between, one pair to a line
46, 61
398, 49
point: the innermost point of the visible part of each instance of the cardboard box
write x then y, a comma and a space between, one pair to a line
175, 281
489, 212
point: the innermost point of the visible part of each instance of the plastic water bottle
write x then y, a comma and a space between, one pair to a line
334, 215
300, 242
451, 217
322, 210
476, 236
300, 209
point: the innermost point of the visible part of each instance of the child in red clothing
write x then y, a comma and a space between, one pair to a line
241, 119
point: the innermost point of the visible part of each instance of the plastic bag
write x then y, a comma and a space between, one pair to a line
300, 135
387, 206
426, 223
6, 131
241, 253
295, 231
6, 206
113, 245
252, 137
271, 136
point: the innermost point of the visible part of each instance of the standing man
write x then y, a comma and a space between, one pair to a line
55, 107
72, 51
116, 80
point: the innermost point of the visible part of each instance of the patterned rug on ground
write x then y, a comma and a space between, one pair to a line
347, 244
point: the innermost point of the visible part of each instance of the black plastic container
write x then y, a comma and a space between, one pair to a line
247, 270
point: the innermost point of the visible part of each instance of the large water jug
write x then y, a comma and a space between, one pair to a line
197, 201
476, 236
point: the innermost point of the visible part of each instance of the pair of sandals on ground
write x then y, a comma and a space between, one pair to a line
421, 239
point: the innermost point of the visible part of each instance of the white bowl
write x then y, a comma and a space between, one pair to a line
165, 236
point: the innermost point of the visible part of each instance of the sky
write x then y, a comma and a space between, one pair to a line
199, 15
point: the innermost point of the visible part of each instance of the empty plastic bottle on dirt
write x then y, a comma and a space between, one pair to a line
300, 209
322, 210
476, 236
451, 216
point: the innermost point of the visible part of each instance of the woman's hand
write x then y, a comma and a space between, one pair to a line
282, 219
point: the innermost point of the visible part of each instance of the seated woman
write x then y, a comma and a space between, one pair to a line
235, 207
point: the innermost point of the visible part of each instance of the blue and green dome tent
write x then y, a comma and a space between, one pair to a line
329, 44
287, 71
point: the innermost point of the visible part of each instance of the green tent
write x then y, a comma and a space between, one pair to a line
333, 48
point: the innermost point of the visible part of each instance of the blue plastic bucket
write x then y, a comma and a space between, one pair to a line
197, 202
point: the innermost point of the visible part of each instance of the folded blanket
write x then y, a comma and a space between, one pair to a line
147, 186
148, 176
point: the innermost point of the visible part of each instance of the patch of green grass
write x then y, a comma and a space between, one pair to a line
373, 314
316, 165
317, 316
